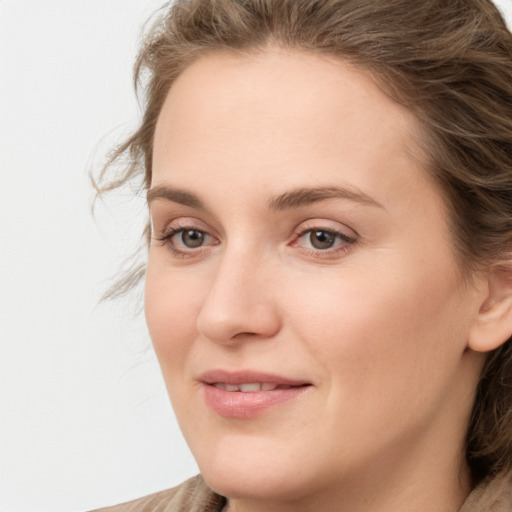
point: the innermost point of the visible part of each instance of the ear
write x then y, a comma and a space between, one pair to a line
493, 324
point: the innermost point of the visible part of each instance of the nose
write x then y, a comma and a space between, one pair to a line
240, 304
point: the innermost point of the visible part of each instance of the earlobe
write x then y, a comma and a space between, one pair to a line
493, 324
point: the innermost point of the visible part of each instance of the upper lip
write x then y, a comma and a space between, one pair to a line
238, 377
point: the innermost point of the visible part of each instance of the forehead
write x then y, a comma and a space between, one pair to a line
279, 110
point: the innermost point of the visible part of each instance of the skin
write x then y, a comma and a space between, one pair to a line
378, 323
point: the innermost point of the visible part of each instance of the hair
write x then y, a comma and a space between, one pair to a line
448, 61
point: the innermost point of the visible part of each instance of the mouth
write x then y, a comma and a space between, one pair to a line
252, 387
246, 395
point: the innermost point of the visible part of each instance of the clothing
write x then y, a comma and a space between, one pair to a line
491, 496
194, 496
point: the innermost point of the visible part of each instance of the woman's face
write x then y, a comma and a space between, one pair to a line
302, 292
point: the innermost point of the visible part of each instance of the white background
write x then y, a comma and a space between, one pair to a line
84, 418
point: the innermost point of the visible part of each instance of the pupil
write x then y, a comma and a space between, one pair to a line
192, 238
322, 239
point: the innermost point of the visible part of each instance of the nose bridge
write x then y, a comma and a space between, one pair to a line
239, 302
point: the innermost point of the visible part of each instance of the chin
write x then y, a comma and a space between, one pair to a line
251, 483
254, 470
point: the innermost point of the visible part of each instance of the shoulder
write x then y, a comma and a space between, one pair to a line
493, 495
193, 495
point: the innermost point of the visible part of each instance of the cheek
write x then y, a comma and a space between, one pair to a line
171, 312
374, 334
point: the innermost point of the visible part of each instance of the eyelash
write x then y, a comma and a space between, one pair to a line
345, 241
166, 239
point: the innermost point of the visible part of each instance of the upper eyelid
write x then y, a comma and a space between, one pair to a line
301, 231
344, 237
183, 222
192, 222
326, 225
169, 231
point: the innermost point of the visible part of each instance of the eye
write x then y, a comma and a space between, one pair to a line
323, 241
186, 241
191, 238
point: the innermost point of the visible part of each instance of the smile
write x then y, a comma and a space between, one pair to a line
247, 394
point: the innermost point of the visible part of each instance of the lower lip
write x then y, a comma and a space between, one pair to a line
236, 404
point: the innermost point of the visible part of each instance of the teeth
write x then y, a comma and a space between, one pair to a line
250, 388
247, 388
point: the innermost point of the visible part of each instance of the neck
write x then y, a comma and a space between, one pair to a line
377, 491
410, 477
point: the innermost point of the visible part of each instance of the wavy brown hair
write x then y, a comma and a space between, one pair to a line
448, 61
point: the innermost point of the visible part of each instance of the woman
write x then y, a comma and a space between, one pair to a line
329, 279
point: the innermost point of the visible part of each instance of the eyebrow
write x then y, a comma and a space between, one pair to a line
175, 195
305, 196
289, 200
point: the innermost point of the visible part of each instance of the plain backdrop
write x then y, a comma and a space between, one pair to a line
85, 419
